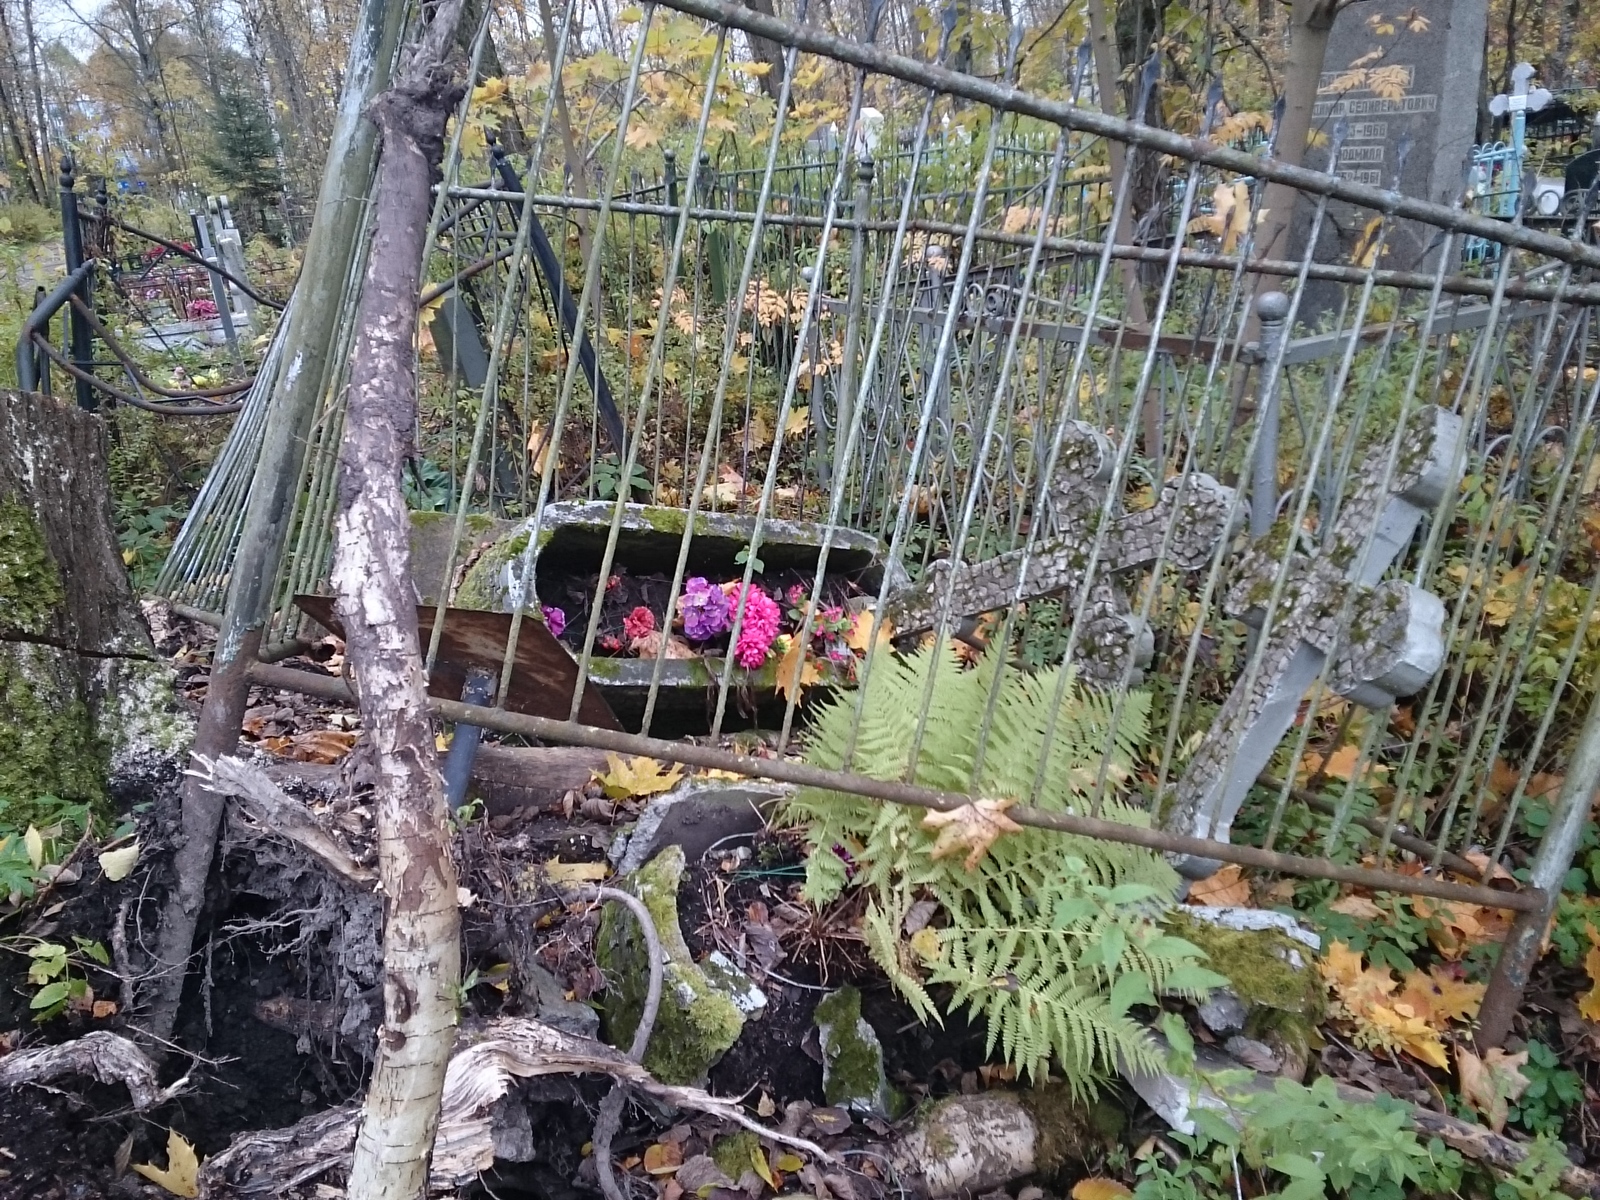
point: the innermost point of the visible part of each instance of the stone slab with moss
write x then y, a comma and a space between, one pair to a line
81, 691
699, 1018
853, 1076
1271, 971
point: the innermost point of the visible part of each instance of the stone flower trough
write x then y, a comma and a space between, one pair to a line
571, 542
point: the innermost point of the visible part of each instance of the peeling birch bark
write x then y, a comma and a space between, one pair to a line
372, 580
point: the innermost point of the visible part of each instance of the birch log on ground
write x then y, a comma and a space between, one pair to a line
376, 600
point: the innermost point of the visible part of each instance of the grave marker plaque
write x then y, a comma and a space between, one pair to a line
1404, 77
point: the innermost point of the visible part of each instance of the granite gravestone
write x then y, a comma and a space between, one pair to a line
1404, 78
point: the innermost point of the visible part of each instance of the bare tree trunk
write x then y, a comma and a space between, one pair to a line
1310, 23
46, 162
1106, 70
372, 577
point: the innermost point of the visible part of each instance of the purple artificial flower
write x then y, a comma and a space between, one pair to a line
555, 619
705, 609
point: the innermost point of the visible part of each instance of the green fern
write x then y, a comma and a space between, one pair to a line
1054, 938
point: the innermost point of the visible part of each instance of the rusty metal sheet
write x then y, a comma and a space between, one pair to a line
542, 680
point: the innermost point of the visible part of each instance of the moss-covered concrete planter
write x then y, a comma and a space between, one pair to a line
571, 543
702, 1011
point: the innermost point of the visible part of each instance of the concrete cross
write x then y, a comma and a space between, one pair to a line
1385, 639
1110, 635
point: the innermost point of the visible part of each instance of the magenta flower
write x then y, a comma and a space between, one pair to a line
554, 618
202, 310
705, 609
759, 629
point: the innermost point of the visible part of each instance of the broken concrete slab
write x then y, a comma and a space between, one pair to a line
695, 816
699, 1017
853, 1075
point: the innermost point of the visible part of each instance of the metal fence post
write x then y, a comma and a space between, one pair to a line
1520, 951
1273, 310
82, 337
849, 386
669, 172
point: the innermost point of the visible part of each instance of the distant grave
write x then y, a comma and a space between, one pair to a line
1404, 79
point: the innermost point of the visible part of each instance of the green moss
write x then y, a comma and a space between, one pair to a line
735, 1153
665, 520
853, 1073
477, 524
481, 587
1070, 1130
1258, 965
30, 586
47, 746
696, 1023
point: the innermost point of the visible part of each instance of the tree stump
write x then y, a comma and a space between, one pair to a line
81, 690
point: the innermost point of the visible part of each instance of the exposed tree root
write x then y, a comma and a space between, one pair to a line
107, 1057
488, 1059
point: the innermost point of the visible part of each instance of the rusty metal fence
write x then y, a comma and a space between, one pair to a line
1356, 566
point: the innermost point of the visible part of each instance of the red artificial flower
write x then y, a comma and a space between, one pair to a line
639, 623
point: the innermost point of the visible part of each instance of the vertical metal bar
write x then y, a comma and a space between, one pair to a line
844, 409
1272, 308
82, 343
1520, 950
669, 169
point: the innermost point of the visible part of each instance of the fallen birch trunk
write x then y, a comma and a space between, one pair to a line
487, 1060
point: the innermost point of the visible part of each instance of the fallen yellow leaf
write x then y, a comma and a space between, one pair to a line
1097, 1187
1589, 1002
796, 671
181, 1176
1226, 889
637, 777
972, 827
1492, 1082
559, 872
861, 636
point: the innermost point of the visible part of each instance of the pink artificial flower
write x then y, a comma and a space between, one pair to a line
640, 622
760, 627
555, 619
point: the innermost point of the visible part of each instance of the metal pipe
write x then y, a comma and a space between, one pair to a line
1456, 285
1273, 309
38, 325
219, 290
788, 771
457, 769
1520, 951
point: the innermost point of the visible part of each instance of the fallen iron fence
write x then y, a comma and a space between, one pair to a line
1349, 569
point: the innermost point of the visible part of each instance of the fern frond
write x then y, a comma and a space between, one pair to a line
1028, 935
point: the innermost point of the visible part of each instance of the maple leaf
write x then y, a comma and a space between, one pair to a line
1400, 1027
1359, 907
796, 671
1438, 998
972, 827
861, 635
1492, 1082
1098, 1188
181, 1176
1589, 1002
636, 777
1226, 888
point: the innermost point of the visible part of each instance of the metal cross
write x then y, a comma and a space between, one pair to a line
1385, 639
1110, 635
1519, 103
